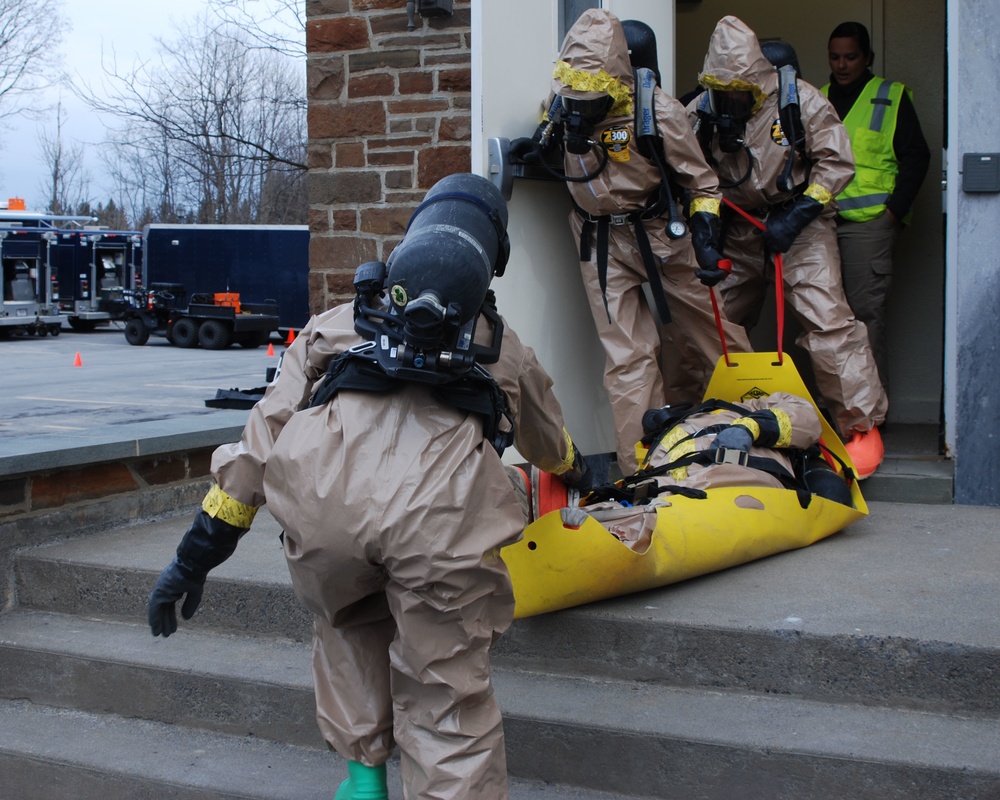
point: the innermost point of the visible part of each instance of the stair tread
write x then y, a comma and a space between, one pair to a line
736, 719
895, 574
177, 758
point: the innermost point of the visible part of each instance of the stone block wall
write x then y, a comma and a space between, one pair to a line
55, 489
389, 115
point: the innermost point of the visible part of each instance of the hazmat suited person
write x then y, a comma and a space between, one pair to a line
769, 442
786, 178
625, 219
377, 448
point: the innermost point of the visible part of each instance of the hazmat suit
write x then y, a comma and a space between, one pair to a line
394, 507
612, 223
800, 220
759, 442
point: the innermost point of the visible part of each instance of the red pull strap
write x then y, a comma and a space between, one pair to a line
779, 286
727, 265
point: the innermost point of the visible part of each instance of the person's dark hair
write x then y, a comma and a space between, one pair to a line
856, 31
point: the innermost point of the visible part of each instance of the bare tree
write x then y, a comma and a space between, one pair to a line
277, 25
66, 183
211, 129
29, 53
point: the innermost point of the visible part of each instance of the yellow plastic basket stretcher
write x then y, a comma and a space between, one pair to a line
555, 567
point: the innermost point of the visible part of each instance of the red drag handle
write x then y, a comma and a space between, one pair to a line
779, 282
725, 265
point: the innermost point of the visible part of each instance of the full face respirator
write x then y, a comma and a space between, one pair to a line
580, 118
730, 111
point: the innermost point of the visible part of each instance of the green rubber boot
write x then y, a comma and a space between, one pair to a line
363, 783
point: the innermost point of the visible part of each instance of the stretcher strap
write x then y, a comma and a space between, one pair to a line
779, 284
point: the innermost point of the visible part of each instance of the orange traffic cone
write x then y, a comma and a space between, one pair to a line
270, 349
78, 362
291, 337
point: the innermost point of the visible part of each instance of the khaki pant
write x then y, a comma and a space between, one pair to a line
866, 267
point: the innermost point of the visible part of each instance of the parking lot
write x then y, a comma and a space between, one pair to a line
117, 389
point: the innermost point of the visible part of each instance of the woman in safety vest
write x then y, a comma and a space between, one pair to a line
891, 158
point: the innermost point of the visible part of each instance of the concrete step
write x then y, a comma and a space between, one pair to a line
887, 611
863, 666
914, 469
48, 753
568, 730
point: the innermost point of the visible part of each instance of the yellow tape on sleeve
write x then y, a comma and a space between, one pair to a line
818, 193
220, 505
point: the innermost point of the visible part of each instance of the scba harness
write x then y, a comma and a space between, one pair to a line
385, 363
475, 392
650, 145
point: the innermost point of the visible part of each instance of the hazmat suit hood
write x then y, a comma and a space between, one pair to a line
734, 62
594, 61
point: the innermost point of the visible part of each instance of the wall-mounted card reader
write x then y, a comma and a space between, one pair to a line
981, 172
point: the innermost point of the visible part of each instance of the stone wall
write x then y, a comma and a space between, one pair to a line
82, 499
389, 115
53, 489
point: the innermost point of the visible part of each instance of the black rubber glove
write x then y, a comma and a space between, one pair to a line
704, 229
208, 542
735, 437
527, 150
171, 586
579, 476
785, 224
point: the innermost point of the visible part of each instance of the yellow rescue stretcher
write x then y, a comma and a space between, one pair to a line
554, 566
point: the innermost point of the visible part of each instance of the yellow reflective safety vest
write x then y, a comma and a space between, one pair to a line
871, 124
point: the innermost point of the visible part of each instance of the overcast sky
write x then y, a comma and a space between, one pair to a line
129, 27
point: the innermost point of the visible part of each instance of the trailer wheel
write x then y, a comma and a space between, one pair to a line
185, 333
55, 330
136, 332
213, 335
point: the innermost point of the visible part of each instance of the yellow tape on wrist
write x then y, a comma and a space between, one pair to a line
750, 424
708, 204
220, 505
567, 463
784, 428
818, 193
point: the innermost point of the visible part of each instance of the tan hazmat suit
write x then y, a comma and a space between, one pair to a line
792, 424
594, 59
837, 343
394, 510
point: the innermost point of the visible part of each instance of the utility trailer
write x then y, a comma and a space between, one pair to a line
94, 267
213, 321
29, 290
268, 263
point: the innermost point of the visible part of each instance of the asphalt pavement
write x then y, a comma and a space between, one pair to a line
80, 389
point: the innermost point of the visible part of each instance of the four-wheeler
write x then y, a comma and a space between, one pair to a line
213, 321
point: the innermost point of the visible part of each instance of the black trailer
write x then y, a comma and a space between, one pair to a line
213, 321
263, 263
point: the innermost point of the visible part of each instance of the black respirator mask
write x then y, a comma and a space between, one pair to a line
580, 118
730, 112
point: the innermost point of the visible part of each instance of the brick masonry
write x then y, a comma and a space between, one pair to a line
389, 115
62, 488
